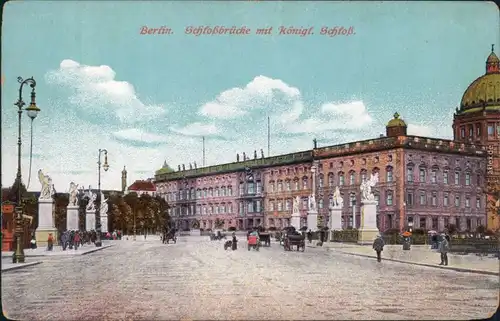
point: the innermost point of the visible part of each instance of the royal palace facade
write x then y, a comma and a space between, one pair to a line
424, 182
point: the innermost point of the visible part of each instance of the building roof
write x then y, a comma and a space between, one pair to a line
484, 92
141, 185
396, 122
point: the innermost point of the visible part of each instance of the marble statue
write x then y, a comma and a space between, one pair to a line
238, 157
261, 153
296, 204
183, 167
190, 166
73, 193
338, 202
366, 188
312, 203
92, 197
244, 156
254, 154
104, 204
47, 190
195, 166
179, 167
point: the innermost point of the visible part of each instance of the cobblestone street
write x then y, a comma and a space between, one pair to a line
197, 279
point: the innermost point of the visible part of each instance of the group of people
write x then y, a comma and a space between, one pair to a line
443, 247
74, 239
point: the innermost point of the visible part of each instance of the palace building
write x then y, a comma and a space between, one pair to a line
424, 182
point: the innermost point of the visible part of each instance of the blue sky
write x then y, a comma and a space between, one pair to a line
150, 98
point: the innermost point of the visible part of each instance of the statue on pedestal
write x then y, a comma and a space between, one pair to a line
338, 201
47, 190
73, 193
92, 198
312, 203
366, 188
104, 205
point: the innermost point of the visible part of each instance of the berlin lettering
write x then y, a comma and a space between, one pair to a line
163, 30
489, 164
217, 30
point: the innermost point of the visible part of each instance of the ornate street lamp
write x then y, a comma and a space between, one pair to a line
32, 111
98, 241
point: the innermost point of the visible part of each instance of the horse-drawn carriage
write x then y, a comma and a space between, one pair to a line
169, 235
217, 236
293, 238
265, 239
253, 241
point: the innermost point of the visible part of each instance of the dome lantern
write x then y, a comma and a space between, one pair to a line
492, 63
396, 126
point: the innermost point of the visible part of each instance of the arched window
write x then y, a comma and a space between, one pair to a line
296, 185
217, 192
389, 178
352, 177
363, 175
223, 189
341, 179
352, 199
271, 186
288, 185
321, 180
280, 186
305, 184
331, 181
388, 198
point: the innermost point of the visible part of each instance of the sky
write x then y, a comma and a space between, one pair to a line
150, 98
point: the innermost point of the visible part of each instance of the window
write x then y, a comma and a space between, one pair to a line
304, 183
320, 203
377, 198
352, 199
389, 198
457, 201
242, 207
446, 222
457, 178
223, 191
230, 208
341, 179
409, 199
280, 206
422, 175
211, 192
258, 189
257, 206
330, 180
305, 203
467, 179
434, 199
205, 193
445, 177
363, 175
222, 209
388, 175
467, 201
471, 131
478, 130
216, 209
462, 132
230, 191
434, 223
352, 178
296, 183
181, 194
478, 202
422, 198
434, 176
288, 186
204, 210
217, 192
250, 207
491, 129
445, 199
409, 174
250, 187
271, 187
422, 223
321, 181
287, 204
280, 186
242, 188
271, 205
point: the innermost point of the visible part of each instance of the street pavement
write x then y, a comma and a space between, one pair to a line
196, 279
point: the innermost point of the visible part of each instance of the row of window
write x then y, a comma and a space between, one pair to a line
447, 199
470, 223
200, 194
444, 178
478, 126
209, 209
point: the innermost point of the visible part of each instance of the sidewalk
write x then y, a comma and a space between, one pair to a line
421, 255
57, 251
15, 266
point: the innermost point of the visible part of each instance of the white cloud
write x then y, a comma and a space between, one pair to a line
258, 94
95, 88
139, 135
196, 129
439, 130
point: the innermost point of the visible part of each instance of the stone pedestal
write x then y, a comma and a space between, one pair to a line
312, 220
104, 223
90, 221
368, 230
72, 220
335, 220
295, 221
46, 222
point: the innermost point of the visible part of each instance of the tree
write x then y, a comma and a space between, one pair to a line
493, 198
61, 203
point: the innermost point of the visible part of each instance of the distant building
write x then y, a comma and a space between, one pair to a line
142, 187
424, 182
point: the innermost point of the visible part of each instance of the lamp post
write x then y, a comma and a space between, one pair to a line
32, 111
98, 209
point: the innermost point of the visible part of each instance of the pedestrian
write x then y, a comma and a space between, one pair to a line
76, 239
444, 247
310, 236
33, 242
64, 240
50, 242
378, 246
234, 243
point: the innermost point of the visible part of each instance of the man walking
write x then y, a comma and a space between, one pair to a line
444, 247
378, 246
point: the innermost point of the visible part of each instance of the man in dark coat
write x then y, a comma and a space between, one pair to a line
444, 247
378, 246
234, 243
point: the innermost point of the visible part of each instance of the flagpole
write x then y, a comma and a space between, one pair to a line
203, 151
268, 137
